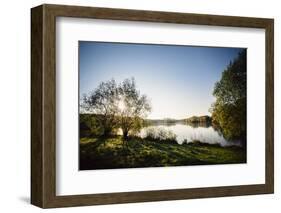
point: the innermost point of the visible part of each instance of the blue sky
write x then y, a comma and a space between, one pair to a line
178, 80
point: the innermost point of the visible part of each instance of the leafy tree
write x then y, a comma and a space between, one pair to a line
115, 107
90, 125
133, 107
103, 102
229, 110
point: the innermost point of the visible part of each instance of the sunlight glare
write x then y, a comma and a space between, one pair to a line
121, 105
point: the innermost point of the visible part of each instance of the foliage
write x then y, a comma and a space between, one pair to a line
114, 106
90, 125
160, 134
103, 101
132, 107
229, 110
199, 119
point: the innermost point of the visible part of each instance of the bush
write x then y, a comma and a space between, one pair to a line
185, 142
160, 135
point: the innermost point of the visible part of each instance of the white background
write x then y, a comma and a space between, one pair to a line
71, 181
15, 105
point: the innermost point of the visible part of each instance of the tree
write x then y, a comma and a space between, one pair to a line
229, 110
116, 107
103, 102
133, 107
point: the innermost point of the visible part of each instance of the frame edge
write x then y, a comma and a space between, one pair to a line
37, 189
269, 34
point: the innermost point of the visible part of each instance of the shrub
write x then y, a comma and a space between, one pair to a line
185, 142
160, 135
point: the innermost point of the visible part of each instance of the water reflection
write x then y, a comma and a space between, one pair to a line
194, 132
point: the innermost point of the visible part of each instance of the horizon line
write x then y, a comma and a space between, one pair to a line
162, 118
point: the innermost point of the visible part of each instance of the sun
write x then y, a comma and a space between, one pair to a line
121, 105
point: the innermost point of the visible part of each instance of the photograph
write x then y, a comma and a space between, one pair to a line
161, 105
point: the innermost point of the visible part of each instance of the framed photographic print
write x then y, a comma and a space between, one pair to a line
137, 106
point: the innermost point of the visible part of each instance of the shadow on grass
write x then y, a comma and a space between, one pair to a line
115, 152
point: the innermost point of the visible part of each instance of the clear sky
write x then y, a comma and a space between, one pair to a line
178, 80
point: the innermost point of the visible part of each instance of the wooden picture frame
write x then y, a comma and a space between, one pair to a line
43, 105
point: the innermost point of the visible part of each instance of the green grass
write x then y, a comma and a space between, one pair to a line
109, 153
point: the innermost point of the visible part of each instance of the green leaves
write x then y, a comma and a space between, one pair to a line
118, 106
229, 110
134, 107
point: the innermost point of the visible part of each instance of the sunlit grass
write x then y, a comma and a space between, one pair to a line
98, 153
87, 140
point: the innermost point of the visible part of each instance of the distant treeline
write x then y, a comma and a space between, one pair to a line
89, 123
194, 120
199, 119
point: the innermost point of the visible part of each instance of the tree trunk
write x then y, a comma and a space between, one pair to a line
125, 134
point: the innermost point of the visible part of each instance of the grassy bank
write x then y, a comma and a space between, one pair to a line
109, 153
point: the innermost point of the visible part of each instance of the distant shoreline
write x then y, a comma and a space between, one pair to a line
192, 119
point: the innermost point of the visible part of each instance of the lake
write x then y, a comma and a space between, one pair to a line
204, 134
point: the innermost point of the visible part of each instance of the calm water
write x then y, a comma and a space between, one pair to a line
190, 133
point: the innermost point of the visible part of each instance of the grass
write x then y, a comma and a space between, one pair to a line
113, 152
